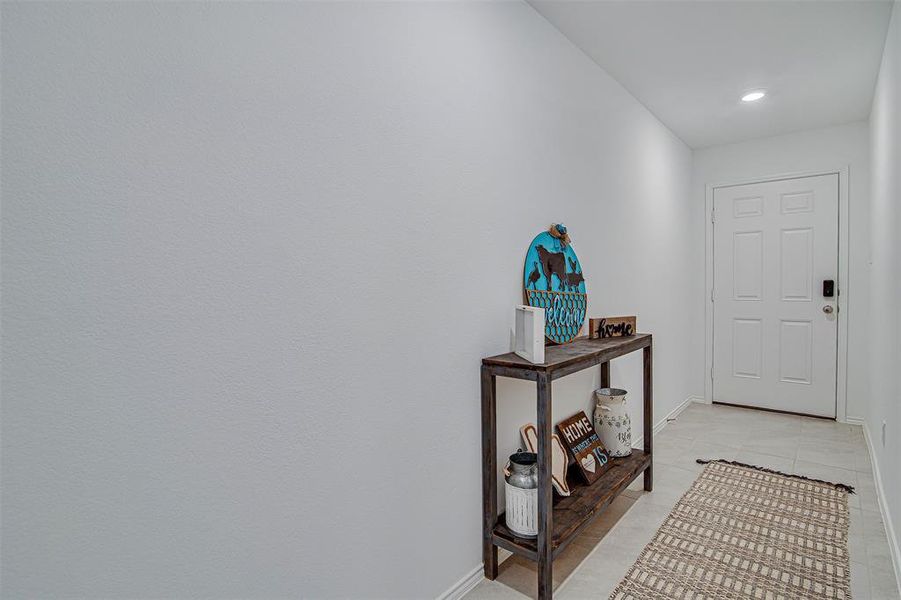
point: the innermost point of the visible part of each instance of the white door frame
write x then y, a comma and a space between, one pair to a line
841, 299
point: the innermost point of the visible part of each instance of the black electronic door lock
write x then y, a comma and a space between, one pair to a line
828, 288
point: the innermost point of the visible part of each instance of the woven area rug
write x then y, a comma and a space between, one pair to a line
745, 532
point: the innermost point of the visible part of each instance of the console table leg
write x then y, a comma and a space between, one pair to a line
648, 416
489, 471
605, 374
545, 491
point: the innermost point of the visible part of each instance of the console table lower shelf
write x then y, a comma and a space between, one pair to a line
575, 512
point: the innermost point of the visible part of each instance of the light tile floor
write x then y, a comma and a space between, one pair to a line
812, 447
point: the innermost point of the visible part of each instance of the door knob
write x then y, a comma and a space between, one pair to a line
828, 309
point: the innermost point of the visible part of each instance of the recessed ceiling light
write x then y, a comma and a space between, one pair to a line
753, 96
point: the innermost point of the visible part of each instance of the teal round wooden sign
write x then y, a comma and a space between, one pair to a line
553, 280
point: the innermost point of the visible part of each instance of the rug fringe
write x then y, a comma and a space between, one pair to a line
841, 486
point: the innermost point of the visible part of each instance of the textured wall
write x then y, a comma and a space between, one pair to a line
885, 246
251, 256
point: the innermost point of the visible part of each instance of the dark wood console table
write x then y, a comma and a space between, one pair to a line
560, 520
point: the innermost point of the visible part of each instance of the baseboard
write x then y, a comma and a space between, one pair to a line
465, 585
853, 420
884, 508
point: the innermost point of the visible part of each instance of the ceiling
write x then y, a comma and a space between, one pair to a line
690, 62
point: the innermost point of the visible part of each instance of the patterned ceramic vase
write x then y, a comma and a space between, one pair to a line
612, 422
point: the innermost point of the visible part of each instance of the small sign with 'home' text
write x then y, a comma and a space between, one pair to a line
611, 327
578, 435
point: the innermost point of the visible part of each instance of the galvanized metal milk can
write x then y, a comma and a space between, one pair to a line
612, 422
521, 490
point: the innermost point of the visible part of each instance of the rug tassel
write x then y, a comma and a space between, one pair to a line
841, 486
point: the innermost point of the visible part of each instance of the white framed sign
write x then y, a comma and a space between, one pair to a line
528, 334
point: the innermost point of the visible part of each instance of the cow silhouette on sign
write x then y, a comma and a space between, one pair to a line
552, 263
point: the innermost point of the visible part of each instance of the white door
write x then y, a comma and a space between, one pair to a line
774, 330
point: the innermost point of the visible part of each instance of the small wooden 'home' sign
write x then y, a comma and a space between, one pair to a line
578, 435
611, 327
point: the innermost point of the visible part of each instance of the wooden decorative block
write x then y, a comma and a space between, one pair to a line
611, 327
559, 462
579, 436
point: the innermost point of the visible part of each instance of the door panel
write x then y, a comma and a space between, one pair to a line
746, 348
747, 248
774, 244
796, 351
796, 265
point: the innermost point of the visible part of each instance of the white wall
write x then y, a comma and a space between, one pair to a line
252, 255
885, 299
843, 146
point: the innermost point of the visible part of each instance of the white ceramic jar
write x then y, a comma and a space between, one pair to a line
612, 422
